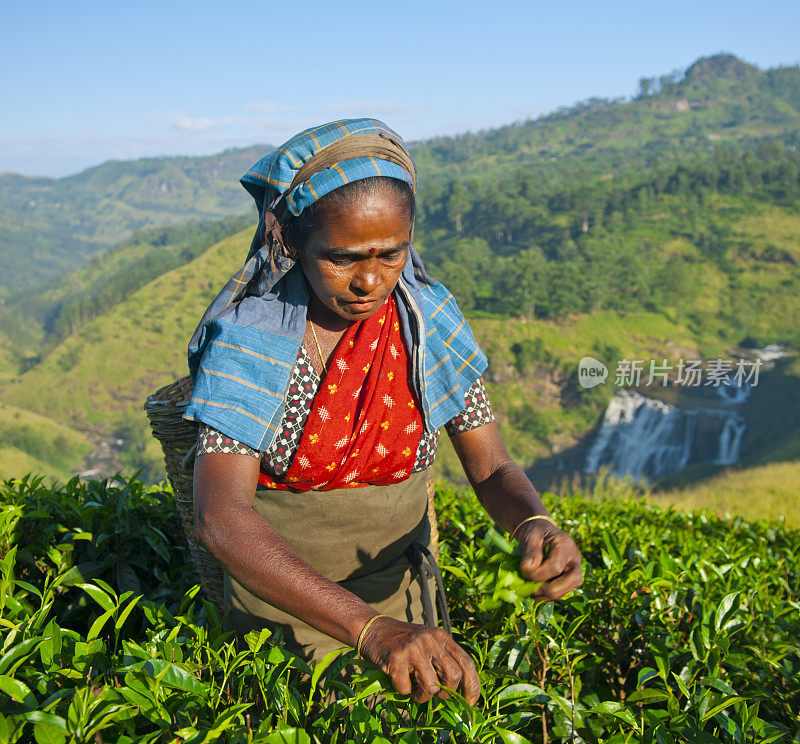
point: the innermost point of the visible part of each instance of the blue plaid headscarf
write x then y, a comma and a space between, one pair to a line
243, 351
271, 176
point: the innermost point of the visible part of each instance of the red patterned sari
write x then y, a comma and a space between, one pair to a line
365, 426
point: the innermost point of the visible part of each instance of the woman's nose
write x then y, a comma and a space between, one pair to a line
367, 279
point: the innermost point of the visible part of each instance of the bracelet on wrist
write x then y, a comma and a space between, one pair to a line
530, 519
364, 632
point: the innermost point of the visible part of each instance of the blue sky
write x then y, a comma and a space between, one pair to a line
84, 81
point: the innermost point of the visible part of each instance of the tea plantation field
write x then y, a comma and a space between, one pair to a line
687, 629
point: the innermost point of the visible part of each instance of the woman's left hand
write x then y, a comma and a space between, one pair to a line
551, 556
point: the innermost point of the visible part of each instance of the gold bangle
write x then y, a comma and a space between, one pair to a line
530, 519
363, 632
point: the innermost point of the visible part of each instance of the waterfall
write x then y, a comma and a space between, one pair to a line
730, 441
647, 438
734, 393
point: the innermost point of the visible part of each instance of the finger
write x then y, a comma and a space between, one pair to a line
401, 678
562, 552
533, 555
552, 567
470, 681
449, 672
557, 588
427, 680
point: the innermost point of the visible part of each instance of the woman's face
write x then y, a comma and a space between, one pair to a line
353, 262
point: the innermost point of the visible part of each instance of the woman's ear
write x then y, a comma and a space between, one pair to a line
290, 251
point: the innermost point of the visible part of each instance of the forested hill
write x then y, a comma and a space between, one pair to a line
717, 99
49, 227
667, 238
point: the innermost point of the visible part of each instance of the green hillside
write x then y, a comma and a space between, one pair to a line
768, 492
112, 363
111, 277
8, 359
691, 238
35, 443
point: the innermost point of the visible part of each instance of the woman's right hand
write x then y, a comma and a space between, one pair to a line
257, 557
429, 655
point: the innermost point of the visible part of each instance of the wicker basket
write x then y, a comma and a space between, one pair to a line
178, 439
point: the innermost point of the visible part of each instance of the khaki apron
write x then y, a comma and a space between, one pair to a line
357, 537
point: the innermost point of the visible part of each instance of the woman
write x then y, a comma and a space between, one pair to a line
322, 373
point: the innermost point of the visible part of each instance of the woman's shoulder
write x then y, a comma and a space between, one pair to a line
446, 317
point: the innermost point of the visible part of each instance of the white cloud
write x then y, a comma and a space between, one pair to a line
269, 107
367, 106
183, 122
265, 119
174, 132
193, 124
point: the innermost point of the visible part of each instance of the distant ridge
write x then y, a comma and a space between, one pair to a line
107, 168
52, 226
57, 224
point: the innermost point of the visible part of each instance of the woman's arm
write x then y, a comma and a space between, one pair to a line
259, 559
549, 554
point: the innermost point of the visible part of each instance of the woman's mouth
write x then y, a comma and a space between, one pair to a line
361, 305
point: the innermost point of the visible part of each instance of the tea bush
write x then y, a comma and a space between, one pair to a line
685, 630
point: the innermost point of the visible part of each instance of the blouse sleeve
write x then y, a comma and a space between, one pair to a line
477, 411
210, 440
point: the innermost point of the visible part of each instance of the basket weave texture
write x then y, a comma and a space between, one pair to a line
178, 439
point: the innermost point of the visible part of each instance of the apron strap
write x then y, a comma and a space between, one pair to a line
418, 555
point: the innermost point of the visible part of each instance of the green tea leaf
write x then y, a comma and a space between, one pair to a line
18, 653
99, 596
720, 707
287, 736
45, 734
727, 609
126, 612
510, 737
321, 666
17, 690
98, 624
648, 696
522, 691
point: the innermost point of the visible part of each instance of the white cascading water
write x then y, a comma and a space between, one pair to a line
648, 438
730, 440
734, 393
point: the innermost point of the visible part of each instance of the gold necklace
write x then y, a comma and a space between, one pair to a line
319, 350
